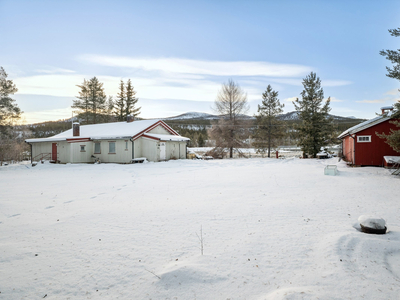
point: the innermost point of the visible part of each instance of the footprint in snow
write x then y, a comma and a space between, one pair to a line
48, 207
14, 215
93, 197
69, 201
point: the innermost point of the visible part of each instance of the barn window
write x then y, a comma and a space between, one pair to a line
83, 148
364, 139
97, 149
111, 147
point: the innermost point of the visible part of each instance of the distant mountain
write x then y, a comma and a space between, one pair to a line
290, 116
193, 116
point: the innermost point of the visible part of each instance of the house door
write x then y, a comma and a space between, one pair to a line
162, 151
54, 151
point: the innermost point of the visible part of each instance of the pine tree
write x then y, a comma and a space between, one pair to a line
81, 104
9, 110
393, 56
11, 145
97, 99
316, 128
91, 102
269, 127
393, 139
131, 101
231, 130
120, 103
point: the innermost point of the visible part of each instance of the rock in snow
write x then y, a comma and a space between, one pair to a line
371, 224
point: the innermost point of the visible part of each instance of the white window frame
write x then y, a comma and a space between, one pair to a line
363, 139
83, 148
126, 145
109, 147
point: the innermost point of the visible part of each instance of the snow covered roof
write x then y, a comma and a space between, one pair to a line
107, 131
365, 125
166, 137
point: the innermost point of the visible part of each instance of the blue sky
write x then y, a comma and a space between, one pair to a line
178, 53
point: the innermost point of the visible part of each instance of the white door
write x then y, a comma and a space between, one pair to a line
162, 151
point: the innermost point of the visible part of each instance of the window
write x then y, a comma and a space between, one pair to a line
111, 147
363, 139
126, 145
83, 148
97, 149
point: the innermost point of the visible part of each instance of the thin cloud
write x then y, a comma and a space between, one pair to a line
55, 71
372, 101
200, 67
291, 99
392, 92
333, 99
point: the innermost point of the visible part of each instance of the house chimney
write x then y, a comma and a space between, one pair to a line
385, 108
130, 118
75, 129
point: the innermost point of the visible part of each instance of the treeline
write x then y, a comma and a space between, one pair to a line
93, 106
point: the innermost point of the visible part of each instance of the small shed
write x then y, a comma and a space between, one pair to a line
362, 147
119, 142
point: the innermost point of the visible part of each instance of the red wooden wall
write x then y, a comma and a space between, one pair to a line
371, 154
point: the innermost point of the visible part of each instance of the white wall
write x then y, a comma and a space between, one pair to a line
150, 149
159, 130
39, 148
121, 155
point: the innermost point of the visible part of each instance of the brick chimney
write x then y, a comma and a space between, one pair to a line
75, 129
130, 118
386, 108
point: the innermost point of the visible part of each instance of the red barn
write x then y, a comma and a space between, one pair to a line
362, 147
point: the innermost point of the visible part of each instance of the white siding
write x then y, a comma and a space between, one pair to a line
77, 156
176, 150
159, 130
121, 155
63, 154
41, 148
138, 148
150, 149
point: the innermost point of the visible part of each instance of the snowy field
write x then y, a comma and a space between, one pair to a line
272, 229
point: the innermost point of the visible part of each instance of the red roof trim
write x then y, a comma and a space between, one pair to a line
150, 137
162, 123
76, 140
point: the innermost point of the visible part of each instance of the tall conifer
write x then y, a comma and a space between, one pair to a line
269, 127
315, 129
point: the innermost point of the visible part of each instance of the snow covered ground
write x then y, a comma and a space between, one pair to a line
272, 229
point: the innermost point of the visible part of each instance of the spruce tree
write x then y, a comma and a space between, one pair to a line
120, 103
316, 128
91, 102
269, 127
131, 101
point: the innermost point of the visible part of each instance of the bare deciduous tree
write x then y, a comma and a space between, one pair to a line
231, 130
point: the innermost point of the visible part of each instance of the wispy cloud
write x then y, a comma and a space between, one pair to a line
372, 101
334, 99
393, 92
54, 71
200, 67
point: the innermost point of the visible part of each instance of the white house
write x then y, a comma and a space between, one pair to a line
120, 142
